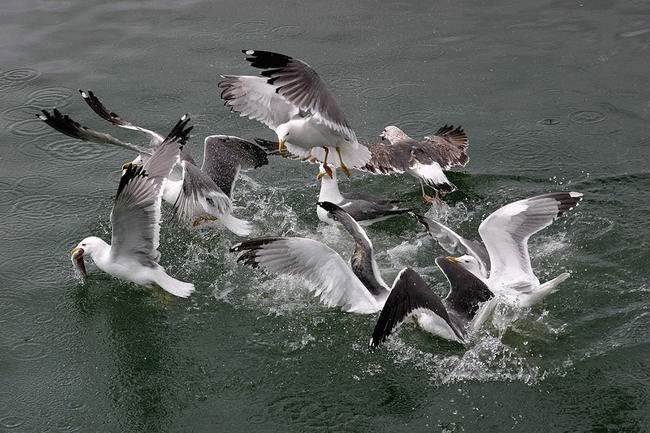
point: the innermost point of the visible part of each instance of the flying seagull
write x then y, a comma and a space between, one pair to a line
502, 262
425, 160
363, 208
133, 253
290, 98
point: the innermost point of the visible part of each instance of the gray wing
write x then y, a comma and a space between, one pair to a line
455, 244
505, 233
448, 147
136, 211
362, 260
410, 293
363, 210
66, 125
386, 158
98, 107
254, 98
299, 84
322, 269
199, 195
466, 290
224, 156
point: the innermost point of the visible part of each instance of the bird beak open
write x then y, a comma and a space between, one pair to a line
281, 144
127, 165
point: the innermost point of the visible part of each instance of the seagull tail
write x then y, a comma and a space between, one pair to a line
548, 287
237, 226
174, 286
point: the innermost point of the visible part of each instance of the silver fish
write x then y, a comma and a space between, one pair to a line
77, 259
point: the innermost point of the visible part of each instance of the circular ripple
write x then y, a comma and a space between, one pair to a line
248, 28
8, 191
288, 31
587, 116
23, 112
43, 317
72, 150
46, 207
12, 302
29, 351
50, 97
76, 405
29, 127
17, 78
11, 422
346, 83
160, 103
377, 94
34, 182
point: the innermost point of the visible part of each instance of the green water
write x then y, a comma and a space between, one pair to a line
554, 95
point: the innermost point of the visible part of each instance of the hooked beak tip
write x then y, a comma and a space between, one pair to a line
77, 252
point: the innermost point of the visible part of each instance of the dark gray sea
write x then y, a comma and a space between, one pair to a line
554, 95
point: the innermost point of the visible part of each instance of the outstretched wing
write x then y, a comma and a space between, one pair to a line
363, 258
466, 290
66, 125
320, 267
448, 147
110, 116
506, 232
254, 98
455, 244
199, 195
410, 294
224, 156
301, 86
136, 211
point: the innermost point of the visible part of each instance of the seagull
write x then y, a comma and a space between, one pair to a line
502, 261
291, 99
133, 253
200, 196
424, 160
363, 208
355, 288
449, 318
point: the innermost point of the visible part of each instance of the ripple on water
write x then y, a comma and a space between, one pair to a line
51, 97
72, 150
29, 127
11, 422
314, 410
22, 112
160, 103
13, 302
288, 31
45, 207
587, 116
249, 28
18, 78
29, 351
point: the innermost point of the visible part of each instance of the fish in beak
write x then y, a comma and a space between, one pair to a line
77, 258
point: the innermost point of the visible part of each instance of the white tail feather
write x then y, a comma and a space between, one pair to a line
237, 226
174, 286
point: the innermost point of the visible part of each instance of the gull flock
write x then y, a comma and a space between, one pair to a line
290, 98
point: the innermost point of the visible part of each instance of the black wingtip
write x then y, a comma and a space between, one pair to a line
130, 172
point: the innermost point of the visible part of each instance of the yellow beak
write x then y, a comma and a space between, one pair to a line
76, 251
451, 259
281, 145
